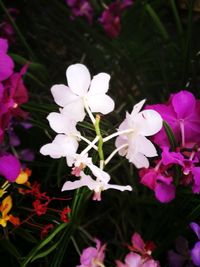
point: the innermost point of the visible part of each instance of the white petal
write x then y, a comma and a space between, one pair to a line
61, 123
73, 185
63, 95
78, 78
146, 147
100, 174
118, 187
148, 122
101, 103
139, 160
125, 124
75, 110
99, 84
52, 150
85, 180
137, 107
61, 146
119, 142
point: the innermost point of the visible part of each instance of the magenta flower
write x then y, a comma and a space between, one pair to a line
9, 167
12, 94
182, 113
111, 17
81, 8
6, 62
93, 257
161, 185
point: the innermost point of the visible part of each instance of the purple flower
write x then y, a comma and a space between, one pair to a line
181, 254
6, 62
182, 113
195, 251
93, 257
9, 167
110, 18
81, 8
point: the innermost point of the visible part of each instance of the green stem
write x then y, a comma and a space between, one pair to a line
100, 143
23, 40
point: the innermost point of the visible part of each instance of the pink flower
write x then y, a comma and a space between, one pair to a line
81, 8
136, 260
93, 257
111, 17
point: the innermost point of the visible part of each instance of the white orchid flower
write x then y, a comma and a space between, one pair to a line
83, 93
96, 186
135, 146
62, 146
65, 143
80, 161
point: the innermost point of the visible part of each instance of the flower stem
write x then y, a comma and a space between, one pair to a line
89, 111
116, 134
90, 145
100, 143
86, 140
114, 152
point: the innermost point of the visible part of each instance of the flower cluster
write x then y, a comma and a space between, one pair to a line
139, 255
85, 95
110, 17
182, 114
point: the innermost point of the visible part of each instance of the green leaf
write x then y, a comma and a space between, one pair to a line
45, 253
157, 21
170, 135
43, 243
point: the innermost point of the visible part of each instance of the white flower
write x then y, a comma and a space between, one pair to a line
65, 143
61, 123
138, 125
62, 146
80, 161
82, 92
97, 186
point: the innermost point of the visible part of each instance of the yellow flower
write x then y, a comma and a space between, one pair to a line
5, 207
